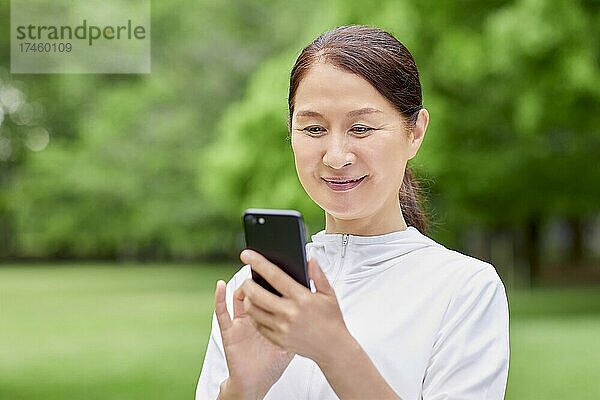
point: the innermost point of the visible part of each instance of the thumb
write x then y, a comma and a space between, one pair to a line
318, 277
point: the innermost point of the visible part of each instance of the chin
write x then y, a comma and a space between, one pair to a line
342, 210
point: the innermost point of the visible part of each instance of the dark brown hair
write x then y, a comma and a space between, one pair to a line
385, 63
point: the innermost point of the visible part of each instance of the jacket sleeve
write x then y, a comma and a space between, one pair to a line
471, 351
214, 369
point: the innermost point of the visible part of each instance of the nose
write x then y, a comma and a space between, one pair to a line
337, 153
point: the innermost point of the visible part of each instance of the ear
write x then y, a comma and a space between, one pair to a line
418, 133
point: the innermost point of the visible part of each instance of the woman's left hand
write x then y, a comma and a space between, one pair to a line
302, 322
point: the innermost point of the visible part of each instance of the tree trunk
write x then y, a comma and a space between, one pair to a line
532, 250
576, 253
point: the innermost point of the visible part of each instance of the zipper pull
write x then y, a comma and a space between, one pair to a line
344, 244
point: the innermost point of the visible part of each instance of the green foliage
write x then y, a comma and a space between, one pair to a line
118, 177
162, 165
513, 98
506, 150
251, 163
519, 119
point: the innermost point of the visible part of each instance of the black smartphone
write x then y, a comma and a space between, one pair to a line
280, 236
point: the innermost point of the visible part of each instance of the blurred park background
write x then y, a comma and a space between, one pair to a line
121, 195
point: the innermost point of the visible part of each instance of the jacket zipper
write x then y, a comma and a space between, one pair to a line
345, 238
344, 244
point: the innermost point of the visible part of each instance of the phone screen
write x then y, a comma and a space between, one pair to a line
279, 235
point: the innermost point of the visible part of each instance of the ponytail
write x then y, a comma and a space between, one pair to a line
410, 195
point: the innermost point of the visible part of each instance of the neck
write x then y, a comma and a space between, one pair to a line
377, 224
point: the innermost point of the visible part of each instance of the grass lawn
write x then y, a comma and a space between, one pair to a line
139, 332
555, 344
104, 331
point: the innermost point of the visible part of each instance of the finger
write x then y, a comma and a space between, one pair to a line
318, 276
281, 281
268, 333
262, 298
238, 298
259, 316
223, 316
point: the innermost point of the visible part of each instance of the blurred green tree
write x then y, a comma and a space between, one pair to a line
520, 126
513, 94
162, 165
123, 183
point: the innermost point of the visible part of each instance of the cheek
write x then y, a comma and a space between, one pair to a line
386, 163
306, 157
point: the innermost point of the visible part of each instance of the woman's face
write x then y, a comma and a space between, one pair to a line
350, 146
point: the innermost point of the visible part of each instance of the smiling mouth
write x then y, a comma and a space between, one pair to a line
339, 185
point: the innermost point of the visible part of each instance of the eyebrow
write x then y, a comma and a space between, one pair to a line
353, 113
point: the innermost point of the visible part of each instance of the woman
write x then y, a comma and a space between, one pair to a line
395, 315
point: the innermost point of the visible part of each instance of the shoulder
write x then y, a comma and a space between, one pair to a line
473, 290
465, 265
457, 269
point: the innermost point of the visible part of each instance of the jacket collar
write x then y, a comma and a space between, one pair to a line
363, 255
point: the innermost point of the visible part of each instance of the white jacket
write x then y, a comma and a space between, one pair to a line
433, 321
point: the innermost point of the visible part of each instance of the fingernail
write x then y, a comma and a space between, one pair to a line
245, 253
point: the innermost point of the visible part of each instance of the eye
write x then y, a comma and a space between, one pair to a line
361, 130
314, 129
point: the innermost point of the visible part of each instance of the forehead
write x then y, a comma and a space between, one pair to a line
325, 86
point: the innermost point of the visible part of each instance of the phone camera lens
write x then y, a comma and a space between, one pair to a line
261, 220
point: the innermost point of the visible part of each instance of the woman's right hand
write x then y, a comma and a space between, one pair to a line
254, 363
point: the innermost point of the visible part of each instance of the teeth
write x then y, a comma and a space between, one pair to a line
353, 180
